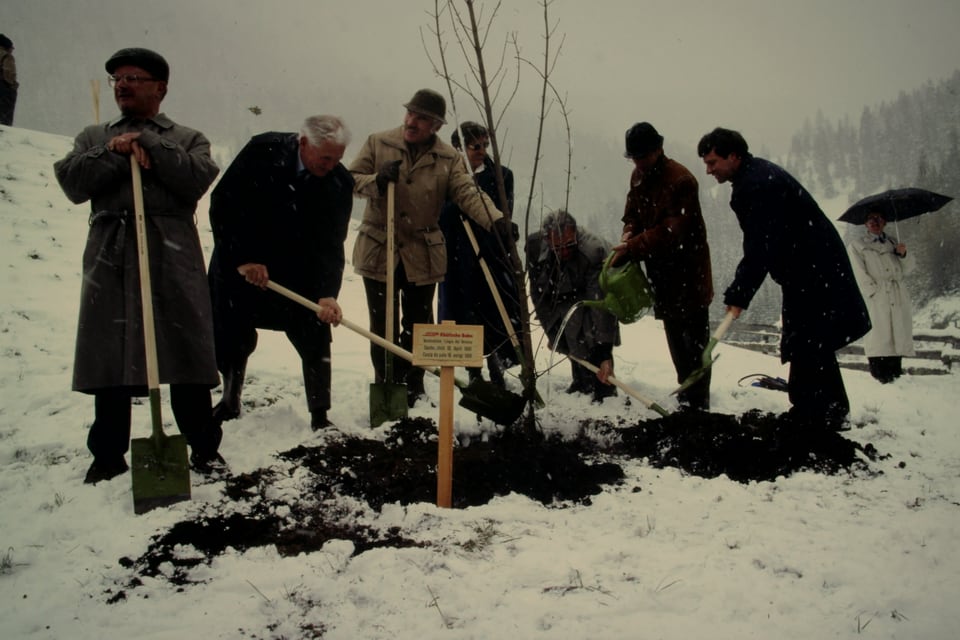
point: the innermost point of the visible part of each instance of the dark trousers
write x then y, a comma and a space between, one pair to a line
815, 388
687, 337
886, 368
8, 102
237, 318
109, 435
416, 305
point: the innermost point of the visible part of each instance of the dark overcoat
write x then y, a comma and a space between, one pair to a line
110, 339
265, 211
786, 234
464, 296
663, 214
556, 285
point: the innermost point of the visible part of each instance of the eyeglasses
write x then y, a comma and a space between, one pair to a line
477, 146
128, 78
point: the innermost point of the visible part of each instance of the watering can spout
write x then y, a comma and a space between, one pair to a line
626, 291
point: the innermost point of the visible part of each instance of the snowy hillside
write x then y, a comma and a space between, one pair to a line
661, 554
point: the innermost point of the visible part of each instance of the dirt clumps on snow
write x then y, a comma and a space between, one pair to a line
310, 497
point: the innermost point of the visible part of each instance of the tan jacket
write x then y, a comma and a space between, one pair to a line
437, 176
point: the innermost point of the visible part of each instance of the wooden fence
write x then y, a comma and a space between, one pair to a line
936, 352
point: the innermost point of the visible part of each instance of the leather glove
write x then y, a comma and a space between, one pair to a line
389, 172
506, 230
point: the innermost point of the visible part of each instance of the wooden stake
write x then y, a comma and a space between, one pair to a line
445, 439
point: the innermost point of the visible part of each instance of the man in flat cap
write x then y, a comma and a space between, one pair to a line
663, 228
110, 363
427, 172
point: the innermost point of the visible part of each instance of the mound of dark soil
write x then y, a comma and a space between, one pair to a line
402, 469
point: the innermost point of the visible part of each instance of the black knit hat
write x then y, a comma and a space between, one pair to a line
5, 42
149, 61
428, 103
642, 138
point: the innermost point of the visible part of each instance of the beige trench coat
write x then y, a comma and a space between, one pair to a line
880, 274
437, 176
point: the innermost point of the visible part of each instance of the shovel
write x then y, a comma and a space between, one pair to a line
647, 402
707, 359
159, 464
388, 399
485, 399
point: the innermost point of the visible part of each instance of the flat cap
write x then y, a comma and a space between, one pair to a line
148, 60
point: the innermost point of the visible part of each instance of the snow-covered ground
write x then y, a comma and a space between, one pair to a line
664, 555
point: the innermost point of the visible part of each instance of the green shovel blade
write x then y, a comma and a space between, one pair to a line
160, 471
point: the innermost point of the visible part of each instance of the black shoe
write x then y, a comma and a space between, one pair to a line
576, 387
601, 391
105, 470
208, 464
319, 420
413, 396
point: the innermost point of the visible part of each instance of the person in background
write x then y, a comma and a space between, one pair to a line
281, 212
464, 295
176, 171
663, 227
427, 173
880, 264
564, 263
8, 81
787, 235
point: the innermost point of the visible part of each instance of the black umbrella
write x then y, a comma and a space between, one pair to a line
894, 205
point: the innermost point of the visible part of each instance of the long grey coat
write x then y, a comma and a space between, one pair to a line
880, 273
110, 341
437, 176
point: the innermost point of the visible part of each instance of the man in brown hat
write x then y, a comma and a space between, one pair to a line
109, 361
427, 173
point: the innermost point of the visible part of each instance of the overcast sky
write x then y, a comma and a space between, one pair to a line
760, 66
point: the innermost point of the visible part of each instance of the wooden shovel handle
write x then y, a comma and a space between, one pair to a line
647, 402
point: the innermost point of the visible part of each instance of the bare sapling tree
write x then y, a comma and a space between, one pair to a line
484, 90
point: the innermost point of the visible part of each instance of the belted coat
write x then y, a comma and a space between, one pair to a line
880, 273
110, 337
438, 175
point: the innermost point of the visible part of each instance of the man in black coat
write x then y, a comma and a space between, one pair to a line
464, 296
281, 213
786, 234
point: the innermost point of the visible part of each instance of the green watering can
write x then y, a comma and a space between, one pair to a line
626, 291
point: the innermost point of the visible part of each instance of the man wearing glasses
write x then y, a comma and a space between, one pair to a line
464, 296
109, 359
564, 262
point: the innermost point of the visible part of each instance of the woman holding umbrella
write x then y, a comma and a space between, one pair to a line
880, 263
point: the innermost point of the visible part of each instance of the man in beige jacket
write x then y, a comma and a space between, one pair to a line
427, 173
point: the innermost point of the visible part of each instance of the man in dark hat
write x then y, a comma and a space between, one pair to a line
8, 81
427, 173
176, 170
787, 235
663, 228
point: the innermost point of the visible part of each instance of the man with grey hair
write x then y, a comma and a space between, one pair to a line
564, 262
281, 213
